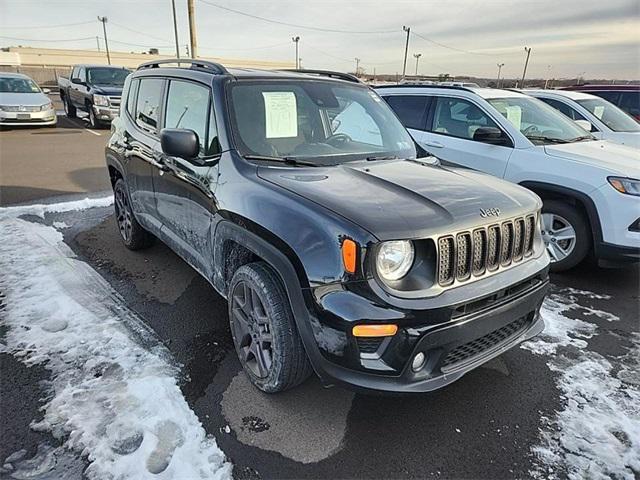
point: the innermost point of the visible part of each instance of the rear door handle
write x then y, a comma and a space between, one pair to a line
434, 144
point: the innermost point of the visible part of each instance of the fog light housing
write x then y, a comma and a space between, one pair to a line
418, 361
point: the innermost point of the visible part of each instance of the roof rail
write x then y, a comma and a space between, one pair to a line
196, 64
326, 73
413, 85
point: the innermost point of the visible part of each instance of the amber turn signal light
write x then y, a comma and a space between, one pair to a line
375, 330
349, 254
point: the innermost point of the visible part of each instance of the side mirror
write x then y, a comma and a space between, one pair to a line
180, 142
584, 124
46, 90
77, 81
490, 135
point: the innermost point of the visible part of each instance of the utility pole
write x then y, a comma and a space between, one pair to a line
548, 80
104, 30
357, 66
98, 42
526, 63
417, 57
374, 74
406, 50
500, 65
192, 28
175, 28
296, 40
186, 47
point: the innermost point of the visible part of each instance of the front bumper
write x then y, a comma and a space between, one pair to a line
454, 338
105, 113
46, 117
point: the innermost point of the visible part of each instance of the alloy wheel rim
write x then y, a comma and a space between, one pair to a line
251, 330
123, 214
559, 236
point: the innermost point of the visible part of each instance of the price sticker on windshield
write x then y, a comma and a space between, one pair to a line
281, 114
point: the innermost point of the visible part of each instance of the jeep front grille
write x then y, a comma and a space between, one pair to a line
484, 250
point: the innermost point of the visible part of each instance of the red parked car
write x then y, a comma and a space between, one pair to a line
626, 97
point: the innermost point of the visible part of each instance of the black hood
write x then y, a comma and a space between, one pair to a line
107, 89
405, 198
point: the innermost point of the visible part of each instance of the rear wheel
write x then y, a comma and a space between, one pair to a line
566, 234
69, 109
264, 330
133, 235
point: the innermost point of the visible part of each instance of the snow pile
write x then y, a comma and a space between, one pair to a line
597, 434
40, 209
115, 397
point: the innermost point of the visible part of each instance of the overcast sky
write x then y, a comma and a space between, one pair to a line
568, 37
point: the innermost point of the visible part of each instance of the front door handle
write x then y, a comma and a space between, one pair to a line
434, 144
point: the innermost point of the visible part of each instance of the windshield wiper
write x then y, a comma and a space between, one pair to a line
547, 139
382, 157
286, 160
581, 138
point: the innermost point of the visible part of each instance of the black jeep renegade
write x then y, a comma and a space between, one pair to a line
301, 198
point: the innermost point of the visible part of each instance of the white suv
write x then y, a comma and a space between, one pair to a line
602, 118
590, 188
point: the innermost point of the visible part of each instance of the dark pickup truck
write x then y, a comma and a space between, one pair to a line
95, 89
340, 248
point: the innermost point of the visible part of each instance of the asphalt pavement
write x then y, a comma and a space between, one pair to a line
482, 426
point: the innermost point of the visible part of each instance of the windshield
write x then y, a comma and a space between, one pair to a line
323, 122
539, 122
107, 76
610, 115
18, 85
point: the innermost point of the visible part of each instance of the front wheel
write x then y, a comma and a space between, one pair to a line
264, 330
94, 123
566, 234
69, 109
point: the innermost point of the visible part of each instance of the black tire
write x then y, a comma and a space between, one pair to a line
263, 327
69, 109
577, 220
94, 123
131, 232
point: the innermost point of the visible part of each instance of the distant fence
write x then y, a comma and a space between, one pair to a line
47, 76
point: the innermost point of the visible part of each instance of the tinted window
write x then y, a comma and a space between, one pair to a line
107, 76
148, 105
564, 108
459, 118
609, 96
630, 103
188, 107
131, 97
411, 109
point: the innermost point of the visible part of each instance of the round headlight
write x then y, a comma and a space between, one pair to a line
394, 259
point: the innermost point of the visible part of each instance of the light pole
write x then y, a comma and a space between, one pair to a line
526, 63
296, 40
417, 57
104, 30
357, 66
175, 28
406, 50
193, 37
500, 65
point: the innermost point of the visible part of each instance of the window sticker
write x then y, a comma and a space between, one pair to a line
598, 110
514, 115
281, 114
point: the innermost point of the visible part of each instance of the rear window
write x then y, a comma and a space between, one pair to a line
411, 109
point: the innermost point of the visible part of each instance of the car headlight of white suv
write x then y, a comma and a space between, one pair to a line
630, 186
100, 100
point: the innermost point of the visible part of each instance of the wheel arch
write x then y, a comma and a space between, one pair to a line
585, 202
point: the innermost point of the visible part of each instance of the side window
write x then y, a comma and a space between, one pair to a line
131, 97
411, 109
82, 74
74, 73
459, 118
148, 104
188, 107
612, 97
564, 108
214, 143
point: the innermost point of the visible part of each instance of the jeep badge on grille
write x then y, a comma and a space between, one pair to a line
489, 212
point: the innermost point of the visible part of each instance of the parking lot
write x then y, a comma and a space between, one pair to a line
566, 399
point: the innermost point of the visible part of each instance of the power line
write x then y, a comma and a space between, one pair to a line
49, 39
307, 27
246, 48
4, 27
461, 50
138, 32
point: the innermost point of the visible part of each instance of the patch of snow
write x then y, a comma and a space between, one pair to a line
40, 209
115, 397
60, 225
597, 433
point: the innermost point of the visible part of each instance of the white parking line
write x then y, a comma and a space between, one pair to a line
80, 123
93, 131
